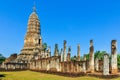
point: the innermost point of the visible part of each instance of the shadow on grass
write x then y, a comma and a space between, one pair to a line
80, 75
2, 75
103, 76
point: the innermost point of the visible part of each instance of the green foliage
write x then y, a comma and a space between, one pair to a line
81, 58
73, 58
2, 58
87, 56
118, 60
44, 46
99, 54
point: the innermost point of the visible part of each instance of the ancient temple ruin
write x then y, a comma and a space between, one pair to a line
35, 57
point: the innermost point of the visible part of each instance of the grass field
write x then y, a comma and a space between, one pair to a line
29, 75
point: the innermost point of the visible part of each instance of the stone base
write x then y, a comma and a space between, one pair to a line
90, 71
114, 71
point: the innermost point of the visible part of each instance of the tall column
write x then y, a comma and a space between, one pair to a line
97, 64
84, 67
56, 52
78, 52
64, 51
69, 54
49, 52
106, 64
61, 55
91, 61
114, 68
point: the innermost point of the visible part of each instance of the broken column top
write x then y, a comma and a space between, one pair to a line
91, 42
114, 41
49, 49
69, 49
56, 45
65, 42
91, 46
61, 51
113, 46
56, 52
78, 49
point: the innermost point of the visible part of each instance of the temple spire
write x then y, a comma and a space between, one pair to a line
34, 7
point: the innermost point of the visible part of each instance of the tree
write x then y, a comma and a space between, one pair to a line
81, 58
87, 56
2, 58
44, 46
99, 54
118, 60
73, 58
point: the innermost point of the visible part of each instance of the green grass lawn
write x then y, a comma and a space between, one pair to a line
29, 75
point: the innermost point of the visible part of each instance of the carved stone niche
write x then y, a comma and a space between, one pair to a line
113, 46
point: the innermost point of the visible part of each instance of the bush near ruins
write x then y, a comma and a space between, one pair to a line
97, 54
2, 58
44, 46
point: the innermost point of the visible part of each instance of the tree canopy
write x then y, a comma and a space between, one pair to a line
118, 60
2, 58
44, 46
97, 54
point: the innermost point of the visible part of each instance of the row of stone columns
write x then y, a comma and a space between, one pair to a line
113, 67
64, 55
108, 66
93, 64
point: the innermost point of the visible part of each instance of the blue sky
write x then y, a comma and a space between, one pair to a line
76, 21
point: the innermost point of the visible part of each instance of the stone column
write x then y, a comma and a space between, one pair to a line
78, 52
106, 64
114, 68
91, 59
84, 67
64, 51
61, 55
69, 54
49, 52
3, 65
57, 65
97, 64
47, 65
56, 52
